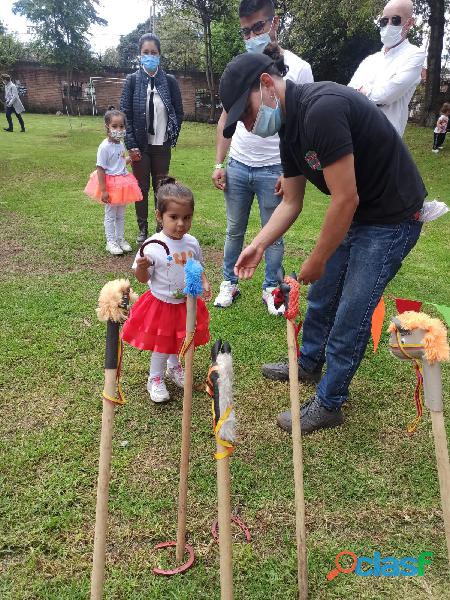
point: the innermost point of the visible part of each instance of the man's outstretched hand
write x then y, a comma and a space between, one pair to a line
247, 262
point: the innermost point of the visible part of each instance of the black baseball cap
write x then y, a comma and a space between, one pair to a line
235, 84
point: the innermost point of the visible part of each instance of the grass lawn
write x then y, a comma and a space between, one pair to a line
368, 485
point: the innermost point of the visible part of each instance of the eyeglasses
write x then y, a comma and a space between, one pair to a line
257, 28
395, 20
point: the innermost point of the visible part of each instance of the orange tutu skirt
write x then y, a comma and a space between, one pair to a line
161, 327
122, 189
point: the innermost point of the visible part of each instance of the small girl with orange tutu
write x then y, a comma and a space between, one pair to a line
112, 184
157, 321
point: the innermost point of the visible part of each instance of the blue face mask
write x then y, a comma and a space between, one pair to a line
268, 120
150, 61
258, 43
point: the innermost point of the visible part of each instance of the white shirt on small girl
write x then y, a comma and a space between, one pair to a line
166, 277
441, 125
111, 156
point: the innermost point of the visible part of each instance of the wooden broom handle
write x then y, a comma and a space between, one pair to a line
104, 471
443, 466
191, 318
224, 520
302, 570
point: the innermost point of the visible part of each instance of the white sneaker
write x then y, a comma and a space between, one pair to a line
440, 147
124, 245
436, 151
113, 248
176, 374
157, 389
269, 302
227, 294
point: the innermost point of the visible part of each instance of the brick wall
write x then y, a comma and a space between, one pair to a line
46, 90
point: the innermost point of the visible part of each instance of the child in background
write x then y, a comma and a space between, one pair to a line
157, 321
441, 128
112, 184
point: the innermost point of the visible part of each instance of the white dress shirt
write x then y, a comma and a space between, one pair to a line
159, 118
390, 80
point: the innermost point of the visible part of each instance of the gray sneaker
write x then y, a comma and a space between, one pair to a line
280, 372
313, 416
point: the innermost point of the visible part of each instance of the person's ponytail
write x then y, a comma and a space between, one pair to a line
273, 51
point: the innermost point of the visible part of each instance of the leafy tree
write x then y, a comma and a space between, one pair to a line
11, 49
333, 35
181, 42
61, 28
110, 58
226, 41
433, 13
204, 13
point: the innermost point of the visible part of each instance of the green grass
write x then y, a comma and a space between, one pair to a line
368, 486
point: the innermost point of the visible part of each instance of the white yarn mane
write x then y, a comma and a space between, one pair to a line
225, 384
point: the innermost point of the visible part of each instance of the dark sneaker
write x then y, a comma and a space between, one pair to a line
7, 129
313, 417
280, 372
143, 235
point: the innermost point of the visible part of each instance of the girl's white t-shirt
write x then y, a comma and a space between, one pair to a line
111, 157
166, 277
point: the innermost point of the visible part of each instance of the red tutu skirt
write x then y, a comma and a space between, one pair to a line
161, 326
122, 189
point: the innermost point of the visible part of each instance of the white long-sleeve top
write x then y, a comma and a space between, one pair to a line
12, 97
390, 79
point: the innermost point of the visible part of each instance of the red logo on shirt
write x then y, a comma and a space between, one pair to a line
313, 160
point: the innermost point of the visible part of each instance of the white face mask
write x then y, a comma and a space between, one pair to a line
391, 35
117, 134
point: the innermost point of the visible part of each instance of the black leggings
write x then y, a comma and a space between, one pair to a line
9, 111
439, 139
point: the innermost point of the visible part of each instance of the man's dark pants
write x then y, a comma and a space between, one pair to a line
340, 305
11, 110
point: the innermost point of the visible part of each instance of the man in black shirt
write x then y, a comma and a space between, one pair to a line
338, 140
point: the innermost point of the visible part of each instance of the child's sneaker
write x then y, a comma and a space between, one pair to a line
268, 300
113, 248
176, 374
435, 150
124, 245
157, 389
227, 294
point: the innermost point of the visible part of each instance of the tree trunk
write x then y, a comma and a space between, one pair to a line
210, 70
433, 81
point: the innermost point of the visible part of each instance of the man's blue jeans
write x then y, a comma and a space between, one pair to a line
242, 183
340, 305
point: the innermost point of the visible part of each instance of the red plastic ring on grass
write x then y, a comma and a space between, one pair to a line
235, 520
182, 568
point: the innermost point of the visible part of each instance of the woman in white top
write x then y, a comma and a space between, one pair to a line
12, 104
151, 100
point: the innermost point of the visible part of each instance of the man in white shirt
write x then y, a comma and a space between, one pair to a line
254, 164
389, 77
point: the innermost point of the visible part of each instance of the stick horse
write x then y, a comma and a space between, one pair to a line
113, 305
420, 338
288, 294
219, 386
193, 279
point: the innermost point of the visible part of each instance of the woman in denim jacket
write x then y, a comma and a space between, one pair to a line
151, 100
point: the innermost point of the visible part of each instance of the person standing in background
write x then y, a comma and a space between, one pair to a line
389, 78
151, 101
254, 164
13, 104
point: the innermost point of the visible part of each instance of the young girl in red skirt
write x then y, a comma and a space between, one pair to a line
112, 184
157, 321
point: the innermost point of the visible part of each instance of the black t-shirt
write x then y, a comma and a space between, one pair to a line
326, 121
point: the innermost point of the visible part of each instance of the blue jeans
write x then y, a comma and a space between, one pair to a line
242, 183
340, 305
